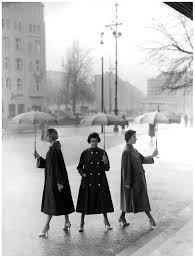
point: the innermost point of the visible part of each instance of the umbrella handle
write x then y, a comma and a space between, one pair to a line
104, 136
35, 137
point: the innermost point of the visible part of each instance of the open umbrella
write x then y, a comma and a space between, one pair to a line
103, 119
34, 117
157, 117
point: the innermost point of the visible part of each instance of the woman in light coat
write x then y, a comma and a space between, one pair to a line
134, 195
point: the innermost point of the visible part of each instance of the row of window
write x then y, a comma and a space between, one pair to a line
17, 25
18, 65
33, 46
19, 85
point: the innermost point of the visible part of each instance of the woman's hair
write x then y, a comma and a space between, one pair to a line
93, 135
129, 134
52, 133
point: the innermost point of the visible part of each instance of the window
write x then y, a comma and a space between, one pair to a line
34, 28
37, 66
8, 83
18, 43
30, 27
30, 47
20, 108
12, 110
30, 67
38, 28
37, 46
6, 24
18, 64
20, 26
6, 43
19, 86
37, 85
7, 63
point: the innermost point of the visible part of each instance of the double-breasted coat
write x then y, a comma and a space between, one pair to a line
94, 194
55, 202
135, 199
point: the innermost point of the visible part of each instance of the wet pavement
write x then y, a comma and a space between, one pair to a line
169, 185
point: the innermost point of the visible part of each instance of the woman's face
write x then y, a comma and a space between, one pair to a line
94, 142
48, 138
133, 139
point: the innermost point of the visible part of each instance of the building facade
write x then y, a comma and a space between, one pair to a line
129, 97
23, 57
178, 101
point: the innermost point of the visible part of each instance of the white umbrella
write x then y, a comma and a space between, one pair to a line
103, 119
34, 117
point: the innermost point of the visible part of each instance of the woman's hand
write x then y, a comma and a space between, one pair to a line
104, 159
36, 155
60, 187
155, 153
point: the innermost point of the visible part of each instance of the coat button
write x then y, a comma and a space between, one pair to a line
89, 184
98, 174
91, 162
91, 174
96, 152
97, 162
91, 152
98, 184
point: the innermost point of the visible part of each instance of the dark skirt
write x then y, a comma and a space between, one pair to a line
94, 200
57, 203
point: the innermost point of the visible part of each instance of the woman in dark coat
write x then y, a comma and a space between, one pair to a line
94, 194
57, 199
152, 128
134, 195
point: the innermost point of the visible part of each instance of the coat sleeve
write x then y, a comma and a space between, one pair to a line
146, 160
40, 162
126, 168
60, 168
106, 166
81, 164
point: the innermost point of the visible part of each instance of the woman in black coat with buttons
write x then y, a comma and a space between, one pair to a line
94, 194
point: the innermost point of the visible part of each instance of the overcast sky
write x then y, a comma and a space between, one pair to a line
84, 20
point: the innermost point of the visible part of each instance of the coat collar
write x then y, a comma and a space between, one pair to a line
55, 145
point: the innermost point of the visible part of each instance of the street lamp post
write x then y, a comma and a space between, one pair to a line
116, 35
102, 81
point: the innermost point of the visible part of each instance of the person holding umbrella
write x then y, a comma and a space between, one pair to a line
152, 128
133, 194
57, 198
94, 194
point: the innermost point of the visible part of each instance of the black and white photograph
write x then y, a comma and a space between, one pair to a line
97, 128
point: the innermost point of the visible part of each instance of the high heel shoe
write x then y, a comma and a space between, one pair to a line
67, 226
123, 221
108, 226
81, 228
152, 225
45, 233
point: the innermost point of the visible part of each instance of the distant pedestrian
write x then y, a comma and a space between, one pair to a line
56, 199
152, 128
94, 194
185, 119
134, 195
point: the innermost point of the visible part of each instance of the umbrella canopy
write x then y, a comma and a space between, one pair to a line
104, 119
34, 117
152, 118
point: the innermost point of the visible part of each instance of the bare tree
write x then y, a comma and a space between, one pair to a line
174, 53
77, 68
